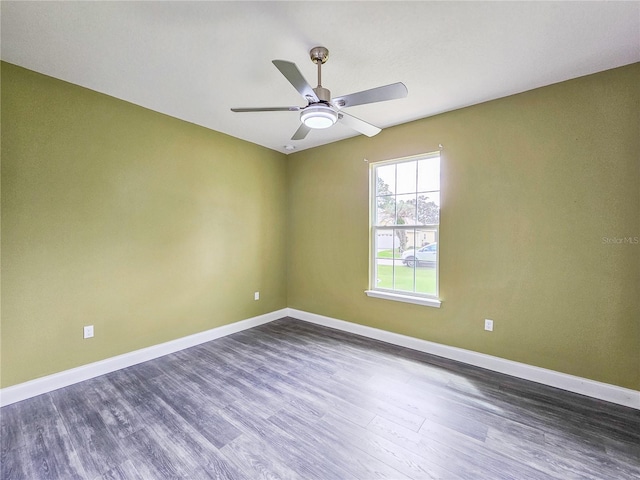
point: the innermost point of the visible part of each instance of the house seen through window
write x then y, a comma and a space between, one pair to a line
405, 221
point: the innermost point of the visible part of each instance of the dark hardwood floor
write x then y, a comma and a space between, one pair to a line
292, 400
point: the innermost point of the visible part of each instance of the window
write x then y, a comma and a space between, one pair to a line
405, 211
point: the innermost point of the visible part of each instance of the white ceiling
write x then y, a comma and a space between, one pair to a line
195, 60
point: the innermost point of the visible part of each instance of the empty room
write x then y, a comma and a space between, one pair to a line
320, 240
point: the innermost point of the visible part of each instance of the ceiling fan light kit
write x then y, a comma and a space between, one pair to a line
322, 111
319, 116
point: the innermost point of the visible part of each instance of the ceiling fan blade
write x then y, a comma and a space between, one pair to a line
379, 94
359, 125
291, 73
301, 133
267, 109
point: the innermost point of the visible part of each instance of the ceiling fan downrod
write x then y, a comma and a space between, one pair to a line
320, 55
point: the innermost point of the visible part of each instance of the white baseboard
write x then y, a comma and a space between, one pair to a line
55, 381
571, 383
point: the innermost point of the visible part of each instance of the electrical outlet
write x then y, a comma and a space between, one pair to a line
256, 296
88, 331
488, 325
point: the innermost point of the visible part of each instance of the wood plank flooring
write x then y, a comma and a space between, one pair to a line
292, 400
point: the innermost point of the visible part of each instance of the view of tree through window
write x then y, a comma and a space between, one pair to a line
405, 225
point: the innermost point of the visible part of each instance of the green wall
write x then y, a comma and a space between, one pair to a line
530, 186
145, 226
151, 228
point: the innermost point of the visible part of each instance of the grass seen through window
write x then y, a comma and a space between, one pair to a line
425, 278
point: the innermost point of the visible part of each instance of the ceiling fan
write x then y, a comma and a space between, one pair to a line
322, 111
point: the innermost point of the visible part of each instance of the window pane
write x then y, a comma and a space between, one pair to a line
382, 241
427, 255
426, 280
429, 174
386, 244
384, 274
406, 213
429, 208
402, 239
385, 180
425, 237
406, 268
385, 211
406, 177
398, 246
405, 278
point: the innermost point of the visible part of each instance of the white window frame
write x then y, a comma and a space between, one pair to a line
386, 293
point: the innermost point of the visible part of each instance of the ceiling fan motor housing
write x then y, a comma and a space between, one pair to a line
323, 94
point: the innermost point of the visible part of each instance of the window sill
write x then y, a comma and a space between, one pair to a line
397, 297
